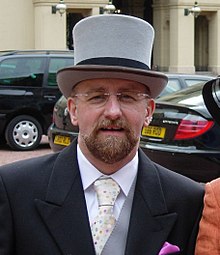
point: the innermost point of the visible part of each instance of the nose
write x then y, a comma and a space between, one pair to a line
112, 108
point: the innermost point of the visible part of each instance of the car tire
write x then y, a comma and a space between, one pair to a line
23, 133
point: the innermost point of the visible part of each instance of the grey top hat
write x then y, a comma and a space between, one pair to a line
211, 96
112, 46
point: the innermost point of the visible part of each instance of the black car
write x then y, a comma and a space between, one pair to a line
28, 92
182, 135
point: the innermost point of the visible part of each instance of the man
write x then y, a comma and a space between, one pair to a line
53, 205
209, 229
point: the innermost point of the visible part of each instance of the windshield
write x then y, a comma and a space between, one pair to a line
188, 96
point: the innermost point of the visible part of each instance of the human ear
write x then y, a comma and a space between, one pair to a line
72, 108
149, 112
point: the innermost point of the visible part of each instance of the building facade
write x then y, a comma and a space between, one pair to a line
183, 43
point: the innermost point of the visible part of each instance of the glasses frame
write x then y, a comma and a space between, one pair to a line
125, 98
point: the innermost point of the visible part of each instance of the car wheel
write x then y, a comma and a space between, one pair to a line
23, 133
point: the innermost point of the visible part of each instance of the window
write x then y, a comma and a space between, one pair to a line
22, 72
173, 85
54, 65
191, 82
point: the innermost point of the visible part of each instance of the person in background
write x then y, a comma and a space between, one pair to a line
102, 194
209, 229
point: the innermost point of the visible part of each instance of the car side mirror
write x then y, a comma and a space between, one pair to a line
211, 96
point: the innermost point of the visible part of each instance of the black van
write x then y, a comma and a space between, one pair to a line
28, 92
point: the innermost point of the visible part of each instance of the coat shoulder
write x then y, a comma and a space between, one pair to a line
29, 172
180, 184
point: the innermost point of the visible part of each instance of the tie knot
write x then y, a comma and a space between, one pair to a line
107, 191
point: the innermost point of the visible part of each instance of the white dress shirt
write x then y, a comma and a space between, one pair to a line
89, 174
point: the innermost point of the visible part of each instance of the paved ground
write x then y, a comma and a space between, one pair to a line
7, 155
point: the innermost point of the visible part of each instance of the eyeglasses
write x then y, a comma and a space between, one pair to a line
100, 98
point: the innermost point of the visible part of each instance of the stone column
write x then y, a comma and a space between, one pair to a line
50, 29
161, 50
181, 41
214, 39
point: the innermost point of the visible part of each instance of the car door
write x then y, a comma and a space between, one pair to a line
51, 92
21, 80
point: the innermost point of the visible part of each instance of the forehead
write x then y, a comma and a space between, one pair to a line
110, 85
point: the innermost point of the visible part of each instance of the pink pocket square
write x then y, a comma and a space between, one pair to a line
168, 249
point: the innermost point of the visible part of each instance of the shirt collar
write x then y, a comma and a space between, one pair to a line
124, 176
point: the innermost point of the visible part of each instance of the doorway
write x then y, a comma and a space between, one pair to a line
72, 19
201, 43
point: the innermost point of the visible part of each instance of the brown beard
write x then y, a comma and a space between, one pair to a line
113, 148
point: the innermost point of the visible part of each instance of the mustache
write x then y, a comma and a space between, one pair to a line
120, 124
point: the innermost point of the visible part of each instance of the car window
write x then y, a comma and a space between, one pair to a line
191, 82
54, 65
173, 85
190, 96
22, 72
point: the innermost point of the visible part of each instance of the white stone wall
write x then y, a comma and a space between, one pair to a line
30, 24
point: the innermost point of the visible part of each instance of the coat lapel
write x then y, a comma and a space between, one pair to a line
64, 209
150, 223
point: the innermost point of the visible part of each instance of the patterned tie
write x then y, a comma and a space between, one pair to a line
107, 191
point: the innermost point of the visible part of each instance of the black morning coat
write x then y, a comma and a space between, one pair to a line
43, 209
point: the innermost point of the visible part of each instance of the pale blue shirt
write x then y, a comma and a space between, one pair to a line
89, 174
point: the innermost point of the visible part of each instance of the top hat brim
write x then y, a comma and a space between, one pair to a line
69, 77
210, 98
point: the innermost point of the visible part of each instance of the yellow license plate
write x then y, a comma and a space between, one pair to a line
153, 131
62, 140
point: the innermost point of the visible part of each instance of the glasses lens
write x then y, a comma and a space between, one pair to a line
100, 98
